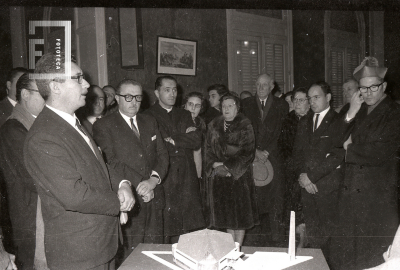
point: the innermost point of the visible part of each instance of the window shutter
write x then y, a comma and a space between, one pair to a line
274, 62
353, 60
337, 76
247, 63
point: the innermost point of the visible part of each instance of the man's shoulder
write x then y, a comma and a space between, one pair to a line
12, 126
250, 101
281, 103
5, 106
108, 119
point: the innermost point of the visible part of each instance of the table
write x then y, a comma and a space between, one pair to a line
139, 261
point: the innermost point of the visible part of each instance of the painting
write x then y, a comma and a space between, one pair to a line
176, 56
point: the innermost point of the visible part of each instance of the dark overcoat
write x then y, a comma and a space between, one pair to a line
267, 125
368, 213
6, 109
79, 198
21, 191
183, 209
135, 159
320, 155
232, 199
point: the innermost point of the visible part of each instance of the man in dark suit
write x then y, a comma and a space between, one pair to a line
318, 167
133, 146
183, 210
267, 113
21, 190
215, 92
8, 103
94, 108
81, 198
368, 216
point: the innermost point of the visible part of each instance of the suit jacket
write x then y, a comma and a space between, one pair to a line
79, 203
320, 153
267, 129
21, 190
132, 158
5, 110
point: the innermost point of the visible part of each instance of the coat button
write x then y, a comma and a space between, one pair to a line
140, 155
141, 169
358, 190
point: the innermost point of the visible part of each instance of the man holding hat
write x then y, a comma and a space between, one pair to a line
368, 213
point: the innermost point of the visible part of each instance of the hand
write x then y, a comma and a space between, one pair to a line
148, 196
126, 198
146, 185
170, 140
346, 143
306, 183
7, 261
123, 218
355, 104
190, 129
262, 155
222, 171
217, 164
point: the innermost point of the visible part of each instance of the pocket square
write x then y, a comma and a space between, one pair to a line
324, 137
154, 137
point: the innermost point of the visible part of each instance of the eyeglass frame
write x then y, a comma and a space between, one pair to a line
127, 96
80, 78
370, 88
301, 101
34, 90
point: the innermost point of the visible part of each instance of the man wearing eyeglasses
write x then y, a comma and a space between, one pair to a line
368, 203
133, 146
81, 196
319, 171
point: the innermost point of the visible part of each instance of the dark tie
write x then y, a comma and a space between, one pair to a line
135, 130
262, 105
78, 125
316, 122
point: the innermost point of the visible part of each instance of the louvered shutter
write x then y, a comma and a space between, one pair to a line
274, 62
352, 61
247, 64
337, 57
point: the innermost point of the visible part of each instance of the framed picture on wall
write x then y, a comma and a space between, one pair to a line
176, 56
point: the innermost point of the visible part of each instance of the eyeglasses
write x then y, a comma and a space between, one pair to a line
34, 90
79, 77
196, 106
129, 98
314, 98
300, 101
373, 88
230, 106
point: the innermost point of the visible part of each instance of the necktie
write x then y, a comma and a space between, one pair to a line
316, 122
135, 130
262, 105
78, 125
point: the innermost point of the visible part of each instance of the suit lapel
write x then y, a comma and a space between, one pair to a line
124, 127
325, 123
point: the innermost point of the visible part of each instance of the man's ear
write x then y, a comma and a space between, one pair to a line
54, 87
8, 86
157, 93
116, 97
384, 86
25, 94
328, 97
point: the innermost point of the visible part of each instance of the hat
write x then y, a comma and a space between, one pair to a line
369, 67
263, 172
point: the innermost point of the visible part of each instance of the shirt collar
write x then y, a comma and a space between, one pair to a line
92, 119
13, 102
322, 114
71, 119
128, 119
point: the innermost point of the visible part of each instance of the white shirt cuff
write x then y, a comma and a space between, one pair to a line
348, 119
154, 173
123, 181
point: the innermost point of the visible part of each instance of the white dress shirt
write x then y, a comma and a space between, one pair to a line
321, 116
13, 102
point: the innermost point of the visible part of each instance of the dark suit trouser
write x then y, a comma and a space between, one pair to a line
145, 225
320, 215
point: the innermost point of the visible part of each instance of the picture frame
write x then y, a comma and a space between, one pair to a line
176, 56
131, 38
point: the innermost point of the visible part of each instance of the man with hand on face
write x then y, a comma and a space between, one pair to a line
266, 113
368, 216
350, 86
183, 211
81, 197
319, 170
133, 146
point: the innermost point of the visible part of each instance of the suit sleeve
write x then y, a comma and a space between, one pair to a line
316, 170
191, 140
162, 154
55, 171
378, 150
105, 140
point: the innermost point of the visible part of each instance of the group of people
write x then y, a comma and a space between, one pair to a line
89, 174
